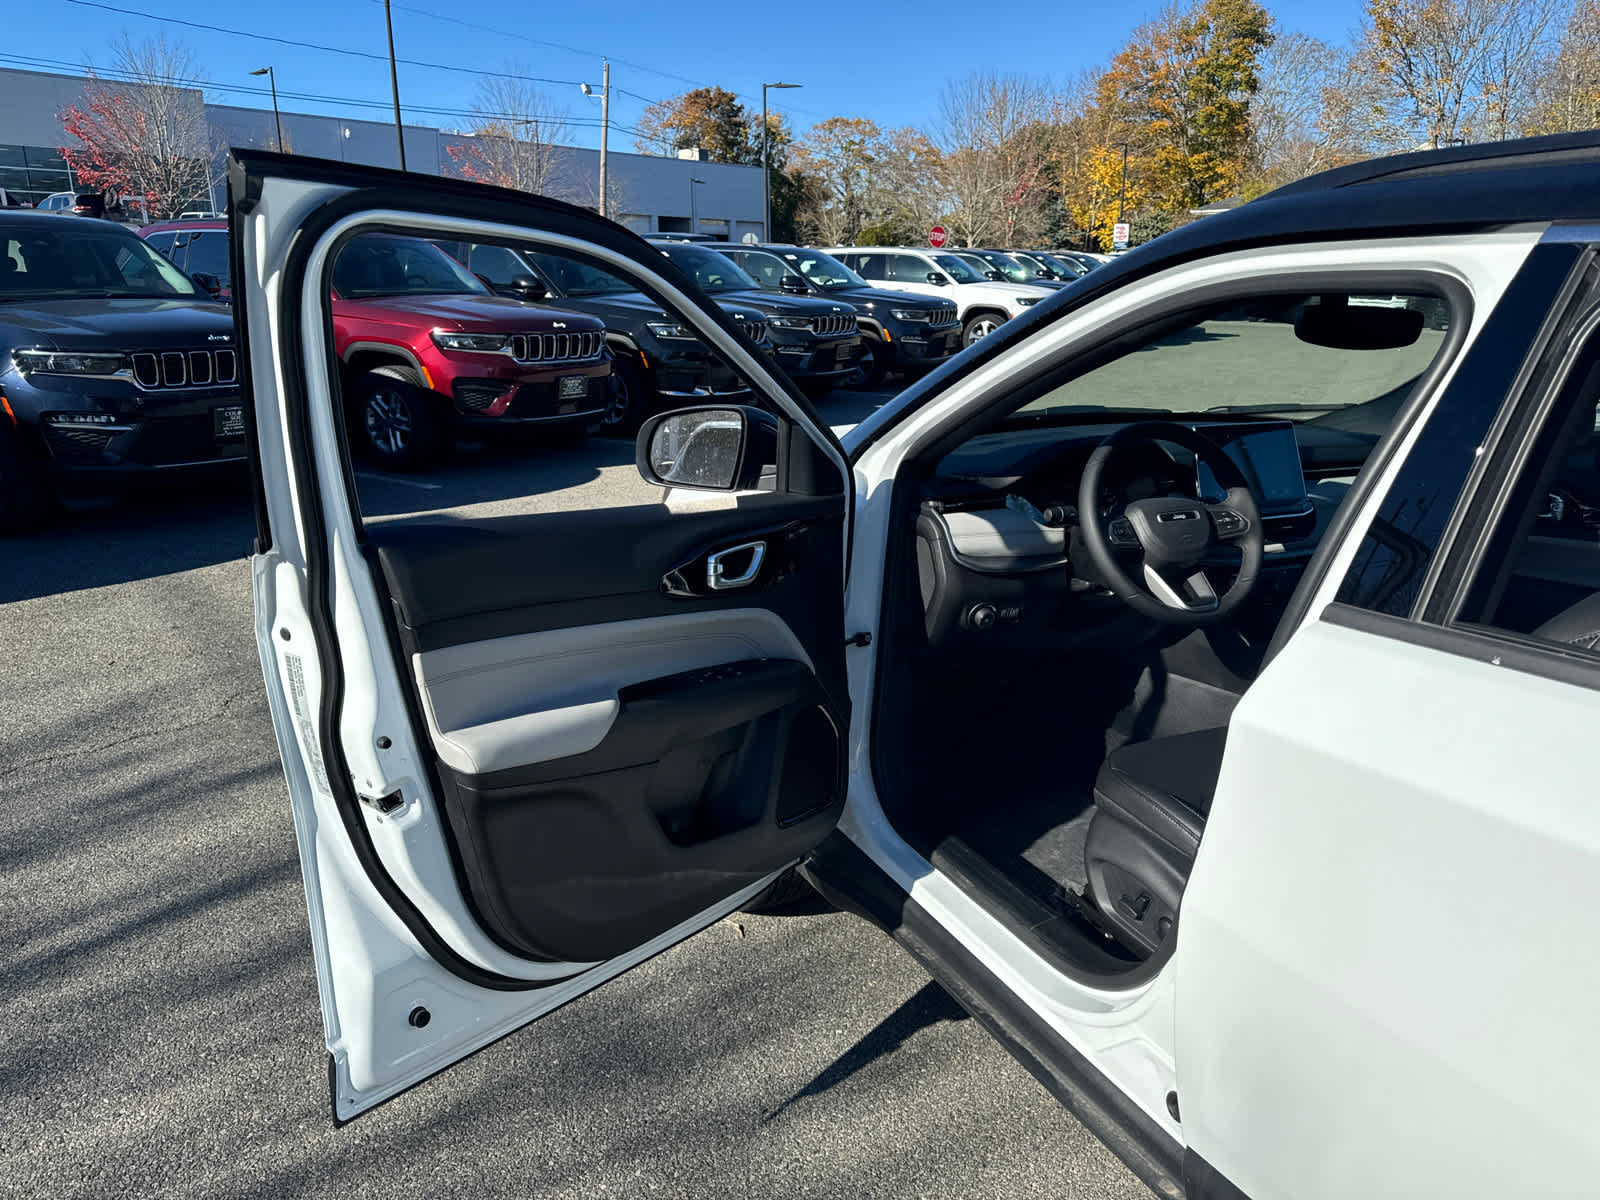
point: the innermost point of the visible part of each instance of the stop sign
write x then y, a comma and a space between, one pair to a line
937, 236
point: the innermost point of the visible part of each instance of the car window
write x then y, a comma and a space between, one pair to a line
577, 278
1540, 572
165, 242
765, 269
823, 271
84, 259
208, 254
958, 268
1271, 356
714, 272
908, 268
374, 265
497, 264
869, 266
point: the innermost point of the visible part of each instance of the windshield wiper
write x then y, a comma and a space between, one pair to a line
1266, 408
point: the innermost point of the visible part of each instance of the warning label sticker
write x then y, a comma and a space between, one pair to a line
310, 744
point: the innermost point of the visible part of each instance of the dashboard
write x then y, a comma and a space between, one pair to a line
998, 522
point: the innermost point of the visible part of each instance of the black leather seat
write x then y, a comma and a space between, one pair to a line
1151, 802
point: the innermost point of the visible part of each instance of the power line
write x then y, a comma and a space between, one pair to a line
122, 76
283, 41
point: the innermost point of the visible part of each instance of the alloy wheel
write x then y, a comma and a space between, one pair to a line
388, 420
981, 328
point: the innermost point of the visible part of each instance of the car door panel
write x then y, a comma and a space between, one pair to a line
524, 753
688, 741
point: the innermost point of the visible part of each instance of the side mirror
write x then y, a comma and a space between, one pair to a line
526, 287
994, 275
713, 449
937, 278
793, 284
210, 282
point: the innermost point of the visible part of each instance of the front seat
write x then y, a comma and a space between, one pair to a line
1151, 801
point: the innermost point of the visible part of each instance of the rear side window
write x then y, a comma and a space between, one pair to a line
208, 255
868, 266
908, 268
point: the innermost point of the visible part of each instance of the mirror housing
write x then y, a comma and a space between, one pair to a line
1340, 325
794, 285
723, 449
210, 282
997, 276
526, 287
938, 278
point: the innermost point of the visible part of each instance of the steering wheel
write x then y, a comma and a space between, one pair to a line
1171, 535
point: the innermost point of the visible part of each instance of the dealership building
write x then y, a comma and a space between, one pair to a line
648, 193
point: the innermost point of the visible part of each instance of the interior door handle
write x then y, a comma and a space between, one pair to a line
725, 569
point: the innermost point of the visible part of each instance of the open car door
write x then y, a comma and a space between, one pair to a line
524, 752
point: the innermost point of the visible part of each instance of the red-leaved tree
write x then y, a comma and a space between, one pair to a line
146, 135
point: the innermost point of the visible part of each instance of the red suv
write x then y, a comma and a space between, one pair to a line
428, 349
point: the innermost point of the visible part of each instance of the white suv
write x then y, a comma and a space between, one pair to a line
981, 303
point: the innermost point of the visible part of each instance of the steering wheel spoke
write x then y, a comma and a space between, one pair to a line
1193, 594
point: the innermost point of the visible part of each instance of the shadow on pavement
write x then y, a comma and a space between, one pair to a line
927, 1006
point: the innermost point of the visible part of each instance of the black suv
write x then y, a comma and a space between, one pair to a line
113, 363
899, 330
656, 363
815, 341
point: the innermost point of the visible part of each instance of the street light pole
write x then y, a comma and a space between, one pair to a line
605, 126
694, 206
766, 161
394, 87
277, 120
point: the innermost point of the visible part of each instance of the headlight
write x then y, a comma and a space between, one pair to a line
790, 322
920, 315
59, 362
489, 343
1025, 301
667, 330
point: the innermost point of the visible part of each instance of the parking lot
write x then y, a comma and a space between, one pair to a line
158, 999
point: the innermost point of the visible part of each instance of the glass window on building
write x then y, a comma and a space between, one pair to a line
30, 173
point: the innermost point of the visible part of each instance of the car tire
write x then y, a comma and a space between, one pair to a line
27, 501
632, 397
788, 893
871, 367
979, 326
396, 421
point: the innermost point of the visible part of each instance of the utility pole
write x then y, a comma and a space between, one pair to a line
277, 121
394, 86
766, 161
605, 129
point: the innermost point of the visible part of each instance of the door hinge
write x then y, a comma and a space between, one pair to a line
858, 639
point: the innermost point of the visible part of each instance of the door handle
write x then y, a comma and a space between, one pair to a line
724, 571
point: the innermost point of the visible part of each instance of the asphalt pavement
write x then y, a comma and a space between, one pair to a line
157, 1001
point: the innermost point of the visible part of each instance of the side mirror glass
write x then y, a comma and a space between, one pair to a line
712, 449
794, 284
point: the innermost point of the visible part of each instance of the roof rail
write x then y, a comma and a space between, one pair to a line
1557, 149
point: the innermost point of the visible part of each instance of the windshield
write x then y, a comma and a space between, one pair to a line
78, 257
1009, 267
958, 268
378, 264
712, 271
579, 279
1265, 357
1067, 268
828, 274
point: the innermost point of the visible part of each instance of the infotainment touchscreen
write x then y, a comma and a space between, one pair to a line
1270, 459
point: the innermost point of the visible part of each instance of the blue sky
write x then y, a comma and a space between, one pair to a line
886, 61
